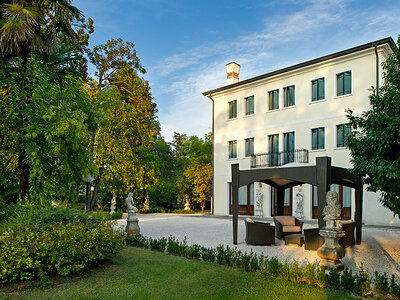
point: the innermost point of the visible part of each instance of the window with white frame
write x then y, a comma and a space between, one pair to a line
232, 149
288, 96
342, 131
249, 147
249, 103
318, 89
232, 109
343, 83
273, 100
318, 138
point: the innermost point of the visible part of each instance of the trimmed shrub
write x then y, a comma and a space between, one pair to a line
347, 279
320, 278
137, 240
254, 266
263, 263
394, 288
158, 245
363, 281
333, 278
296, 271
175, 247
27, 252
274, 266
207, 254
193, 251
309, 273
381, 283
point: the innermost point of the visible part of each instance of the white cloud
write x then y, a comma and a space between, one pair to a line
319, 28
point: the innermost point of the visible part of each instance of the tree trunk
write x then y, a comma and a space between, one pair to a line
23, 174
96, 188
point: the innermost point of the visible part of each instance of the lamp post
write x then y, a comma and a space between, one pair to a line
87, 179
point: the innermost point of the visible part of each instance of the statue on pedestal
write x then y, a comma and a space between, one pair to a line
132, 226
331, 252
187, 204
113, 204
299, 205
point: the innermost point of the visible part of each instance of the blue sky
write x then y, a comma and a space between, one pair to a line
184, 45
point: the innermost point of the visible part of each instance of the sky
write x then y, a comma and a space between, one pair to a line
184, 45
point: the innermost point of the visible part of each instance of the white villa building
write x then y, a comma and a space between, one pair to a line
291, 116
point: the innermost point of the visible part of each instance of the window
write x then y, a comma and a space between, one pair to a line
288, 96
318, 89
318, 138
273, 141
343, 83
249, 102
232, 109
249, 147
232, 149
341, 133
273, 99
288, 147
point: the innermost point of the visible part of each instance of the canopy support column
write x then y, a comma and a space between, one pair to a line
323, 174
235, 200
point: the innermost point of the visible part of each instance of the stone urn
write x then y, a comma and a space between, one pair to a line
331, 252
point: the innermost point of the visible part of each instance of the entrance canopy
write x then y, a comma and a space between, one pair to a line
321, 175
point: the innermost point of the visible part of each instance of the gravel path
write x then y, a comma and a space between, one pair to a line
379, 251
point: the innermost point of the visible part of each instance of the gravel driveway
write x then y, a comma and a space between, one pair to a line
379, 251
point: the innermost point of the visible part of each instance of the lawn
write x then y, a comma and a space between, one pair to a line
142, 274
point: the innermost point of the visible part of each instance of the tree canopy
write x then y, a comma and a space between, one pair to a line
374, 141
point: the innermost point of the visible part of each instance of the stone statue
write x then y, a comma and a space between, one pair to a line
146, 204
258, 209
259, 198
131, 207
113, 204
187, 204
132, 223
299, 205
332, 211
331, 252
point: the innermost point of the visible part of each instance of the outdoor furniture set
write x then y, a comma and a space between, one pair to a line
291, 229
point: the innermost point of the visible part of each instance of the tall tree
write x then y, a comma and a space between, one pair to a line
26, 28
374, 142
129, 125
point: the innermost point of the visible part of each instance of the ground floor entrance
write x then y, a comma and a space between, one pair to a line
246, 199
287, 204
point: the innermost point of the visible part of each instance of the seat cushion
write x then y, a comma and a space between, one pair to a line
291, 229
286, 220
248, 220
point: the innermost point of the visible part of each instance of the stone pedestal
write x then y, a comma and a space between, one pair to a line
132, 226
331, 252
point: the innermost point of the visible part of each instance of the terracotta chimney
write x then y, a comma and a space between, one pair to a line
232, 72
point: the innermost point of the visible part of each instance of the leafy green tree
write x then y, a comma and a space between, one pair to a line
27, 28
127, 126
374, 142
54, 130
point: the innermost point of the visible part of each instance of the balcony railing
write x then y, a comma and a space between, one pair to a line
276, 159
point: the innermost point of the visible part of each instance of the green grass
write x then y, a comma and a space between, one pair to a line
142, 274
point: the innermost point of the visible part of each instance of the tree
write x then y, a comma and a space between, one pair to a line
374, 141
27, 28
128, 124
54, 132
200, 175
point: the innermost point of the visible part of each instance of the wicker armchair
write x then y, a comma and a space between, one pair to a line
259, 233
285, 225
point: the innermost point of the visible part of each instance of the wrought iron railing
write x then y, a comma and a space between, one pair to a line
276, 159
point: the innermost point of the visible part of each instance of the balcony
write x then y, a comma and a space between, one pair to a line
277, 159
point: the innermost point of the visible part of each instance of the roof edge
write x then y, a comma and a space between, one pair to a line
387, 40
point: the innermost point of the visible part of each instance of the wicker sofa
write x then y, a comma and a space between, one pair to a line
313, 240
285, 225
259, 233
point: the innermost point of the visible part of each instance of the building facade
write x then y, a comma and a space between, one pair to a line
292, 116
